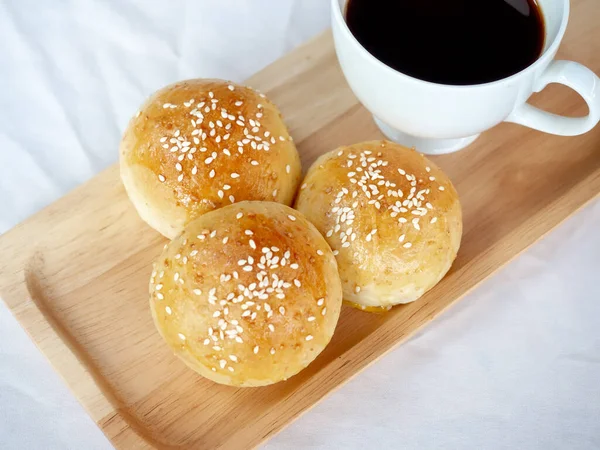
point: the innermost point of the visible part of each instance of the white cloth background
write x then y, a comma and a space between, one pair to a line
515, 365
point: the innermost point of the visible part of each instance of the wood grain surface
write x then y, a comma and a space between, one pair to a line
76, 274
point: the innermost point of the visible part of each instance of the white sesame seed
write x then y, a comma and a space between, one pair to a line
181, 336
235, 175
288, 168
309, 338
433, 220
239, 215
407, 245
320, 302
311, 318
441, 188
159, 296
197, 291
272, 351
168, 310
255, 350
292, 218
161, 178
252, 244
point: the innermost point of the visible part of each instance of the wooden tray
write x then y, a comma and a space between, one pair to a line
76, 274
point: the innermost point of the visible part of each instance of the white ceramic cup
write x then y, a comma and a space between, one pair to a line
438, 118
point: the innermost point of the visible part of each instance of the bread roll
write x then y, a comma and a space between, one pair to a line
392, 217
247, 295
198, 145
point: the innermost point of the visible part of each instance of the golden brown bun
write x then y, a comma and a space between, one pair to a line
198, 145
392, 217
247, 295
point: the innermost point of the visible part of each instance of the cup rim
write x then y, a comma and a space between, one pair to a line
339, 17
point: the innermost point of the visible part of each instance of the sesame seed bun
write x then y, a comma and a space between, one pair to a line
391, 216
199, 145
247, 295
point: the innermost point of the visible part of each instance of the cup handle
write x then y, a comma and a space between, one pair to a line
579, 78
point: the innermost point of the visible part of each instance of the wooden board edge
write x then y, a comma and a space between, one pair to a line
54, 342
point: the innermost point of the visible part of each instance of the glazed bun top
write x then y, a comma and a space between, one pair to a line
198, 145
391, 216
247, 295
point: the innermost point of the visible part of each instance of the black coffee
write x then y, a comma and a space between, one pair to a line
450, 41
